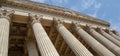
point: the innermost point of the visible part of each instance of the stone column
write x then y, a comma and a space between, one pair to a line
110, 37
4, 31
111, 46
113, 35
93, 43
71, 40
31, 47
45, 45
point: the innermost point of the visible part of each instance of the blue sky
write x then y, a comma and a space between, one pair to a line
107, 10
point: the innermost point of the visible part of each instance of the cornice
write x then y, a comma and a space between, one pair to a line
53, 10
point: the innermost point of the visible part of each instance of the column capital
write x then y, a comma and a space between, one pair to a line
89, 28
58, 22
100, 29
75, 24
35, 18
109, 30
6, 14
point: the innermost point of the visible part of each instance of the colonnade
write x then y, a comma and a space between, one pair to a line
103, 43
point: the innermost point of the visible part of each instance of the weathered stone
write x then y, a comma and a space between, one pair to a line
45, 45
4, 32
93, 43
71, 40
115, 41
107, 43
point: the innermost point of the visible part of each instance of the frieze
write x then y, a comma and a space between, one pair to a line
56, 10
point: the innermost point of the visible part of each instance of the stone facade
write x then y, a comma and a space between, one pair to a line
30, 28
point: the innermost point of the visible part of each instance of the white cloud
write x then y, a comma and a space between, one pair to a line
42, 1
75, 8
103, 15
87, 3
97, 5
59, 1
95, 8
94, 13
84, 5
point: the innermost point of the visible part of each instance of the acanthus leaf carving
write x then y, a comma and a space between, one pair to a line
6, 14
35, 18
58, 22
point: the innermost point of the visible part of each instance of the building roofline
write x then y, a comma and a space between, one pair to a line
54, 9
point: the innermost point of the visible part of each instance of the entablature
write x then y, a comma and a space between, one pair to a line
22, 16
53, 10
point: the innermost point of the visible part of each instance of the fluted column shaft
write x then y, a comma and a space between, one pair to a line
113, 35
4, 32
31, 47
110, 37
73, 43
44, 43
4, 36
94, 44
111, 46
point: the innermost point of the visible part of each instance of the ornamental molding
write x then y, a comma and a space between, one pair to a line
6, 14
35, 18
58, 22
53, 10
